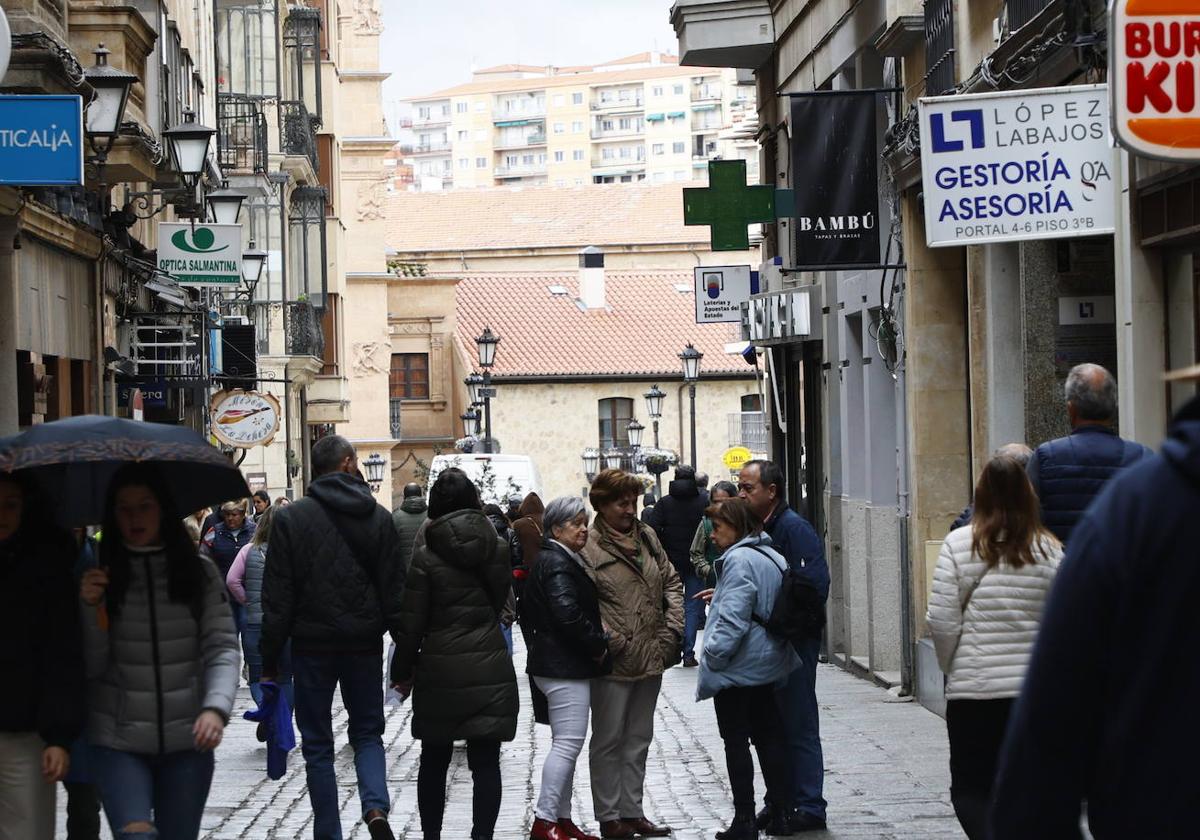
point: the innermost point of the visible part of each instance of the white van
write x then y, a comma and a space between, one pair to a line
497, 476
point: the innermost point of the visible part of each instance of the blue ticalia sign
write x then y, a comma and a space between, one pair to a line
41, 140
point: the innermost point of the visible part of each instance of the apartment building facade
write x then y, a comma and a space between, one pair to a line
641, 118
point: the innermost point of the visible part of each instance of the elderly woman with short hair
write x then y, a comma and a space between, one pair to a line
641, 604
560, 613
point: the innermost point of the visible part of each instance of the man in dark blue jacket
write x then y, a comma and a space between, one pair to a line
761, 483
1107, 714
675, 519
1069, 472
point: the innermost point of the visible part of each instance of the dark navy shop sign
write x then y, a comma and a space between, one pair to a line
41, 140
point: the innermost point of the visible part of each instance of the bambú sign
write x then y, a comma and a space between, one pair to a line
1155, 77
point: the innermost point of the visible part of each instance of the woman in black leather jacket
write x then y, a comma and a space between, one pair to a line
560, 613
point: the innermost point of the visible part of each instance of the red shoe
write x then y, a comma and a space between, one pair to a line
573, 831
546, 830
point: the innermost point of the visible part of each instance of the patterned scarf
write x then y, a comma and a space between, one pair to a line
628, 545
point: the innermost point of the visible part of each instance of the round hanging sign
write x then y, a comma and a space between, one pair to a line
244, 419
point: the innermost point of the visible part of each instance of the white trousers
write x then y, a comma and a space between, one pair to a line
622, 729
570, 703
26, 800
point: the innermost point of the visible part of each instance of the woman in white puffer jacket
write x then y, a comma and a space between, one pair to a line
989, 589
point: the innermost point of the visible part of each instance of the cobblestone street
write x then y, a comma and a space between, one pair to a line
887, 774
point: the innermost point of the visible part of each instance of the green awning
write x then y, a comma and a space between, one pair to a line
677, 115
707, 107
655, 117
512, 123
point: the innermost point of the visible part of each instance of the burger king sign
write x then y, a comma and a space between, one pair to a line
1155, 77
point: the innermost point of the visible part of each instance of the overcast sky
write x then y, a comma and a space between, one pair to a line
432, 44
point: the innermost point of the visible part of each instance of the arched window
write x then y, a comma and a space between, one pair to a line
615, 414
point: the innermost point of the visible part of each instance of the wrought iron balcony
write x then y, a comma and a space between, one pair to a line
297, 131
1020, 12
939, 47
394, 411
241, 134
302, 330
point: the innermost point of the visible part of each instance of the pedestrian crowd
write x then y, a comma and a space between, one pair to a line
125, 646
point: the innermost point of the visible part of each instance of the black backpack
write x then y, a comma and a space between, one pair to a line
798, 614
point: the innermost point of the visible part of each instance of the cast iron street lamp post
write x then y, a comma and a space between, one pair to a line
591, 463
487, 357
691, 372
654, 403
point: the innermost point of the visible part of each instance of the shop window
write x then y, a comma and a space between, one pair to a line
409, 378
615, 414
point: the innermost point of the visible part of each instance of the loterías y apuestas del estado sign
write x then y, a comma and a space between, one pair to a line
1154, 70
1008, 167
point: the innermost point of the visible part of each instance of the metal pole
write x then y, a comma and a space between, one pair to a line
692, 396
658, 477
487, 412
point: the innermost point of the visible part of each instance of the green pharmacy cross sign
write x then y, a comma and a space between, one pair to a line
728, 205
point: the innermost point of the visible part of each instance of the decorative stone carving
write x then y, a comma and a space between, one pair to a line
367, 18
366, 358
372, 196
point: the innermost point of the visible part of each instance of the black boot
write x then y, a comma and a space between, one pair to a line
763, 818
742, 828
778, 824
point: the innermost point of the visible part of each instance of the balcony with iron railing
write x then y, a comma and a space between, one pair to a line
538, 139
241, 134
431, 120
297, 131
706, 93
618, 133
302, 330
535, 112
748, 429
616, 103
441, 148
1021, 12
395, 415
520, 170
939, 47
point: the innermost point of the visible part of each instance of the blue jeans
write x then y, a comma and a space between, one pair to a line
361, 679
251, 647
798, 707
239, 614
506, 631
167, 792
693, 612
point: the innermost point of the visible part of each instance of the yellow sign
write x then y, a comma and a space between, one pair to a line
736, 457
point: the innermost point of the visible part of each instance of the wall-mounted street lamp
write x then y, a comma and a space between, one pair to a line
189, 142
374, 467
253, 261
635, 430
470, 421
612, 459
225, 205
107, 109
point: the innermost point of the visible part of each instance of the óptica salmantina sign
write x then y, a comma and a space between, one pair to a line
1010, 167
201, 254
41, 140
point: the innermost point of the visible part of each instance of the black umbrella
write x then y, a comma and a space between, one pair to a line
73, 461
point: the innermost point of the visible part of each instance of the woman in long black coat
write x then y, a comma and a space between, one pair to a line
451, 654
560, 612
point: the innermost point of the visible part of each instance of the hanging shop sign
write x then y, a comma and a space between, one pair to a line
835, 177
1154, 67
720, 292
244, 419
201, 254
736, 457
1009, 167
41, 140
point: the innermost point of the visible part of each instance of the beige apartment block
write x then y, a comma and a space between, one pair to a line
640, 118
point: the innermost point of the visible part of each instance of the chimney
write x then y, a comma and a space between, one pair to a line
591, 277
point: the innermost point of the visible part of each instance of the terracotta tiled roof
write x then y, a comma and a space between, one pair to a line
512, 68
641, 58
641, 332
602, 77
531, 217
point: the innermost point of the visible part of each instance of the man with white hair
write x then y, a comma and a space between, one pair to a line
1070, 471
